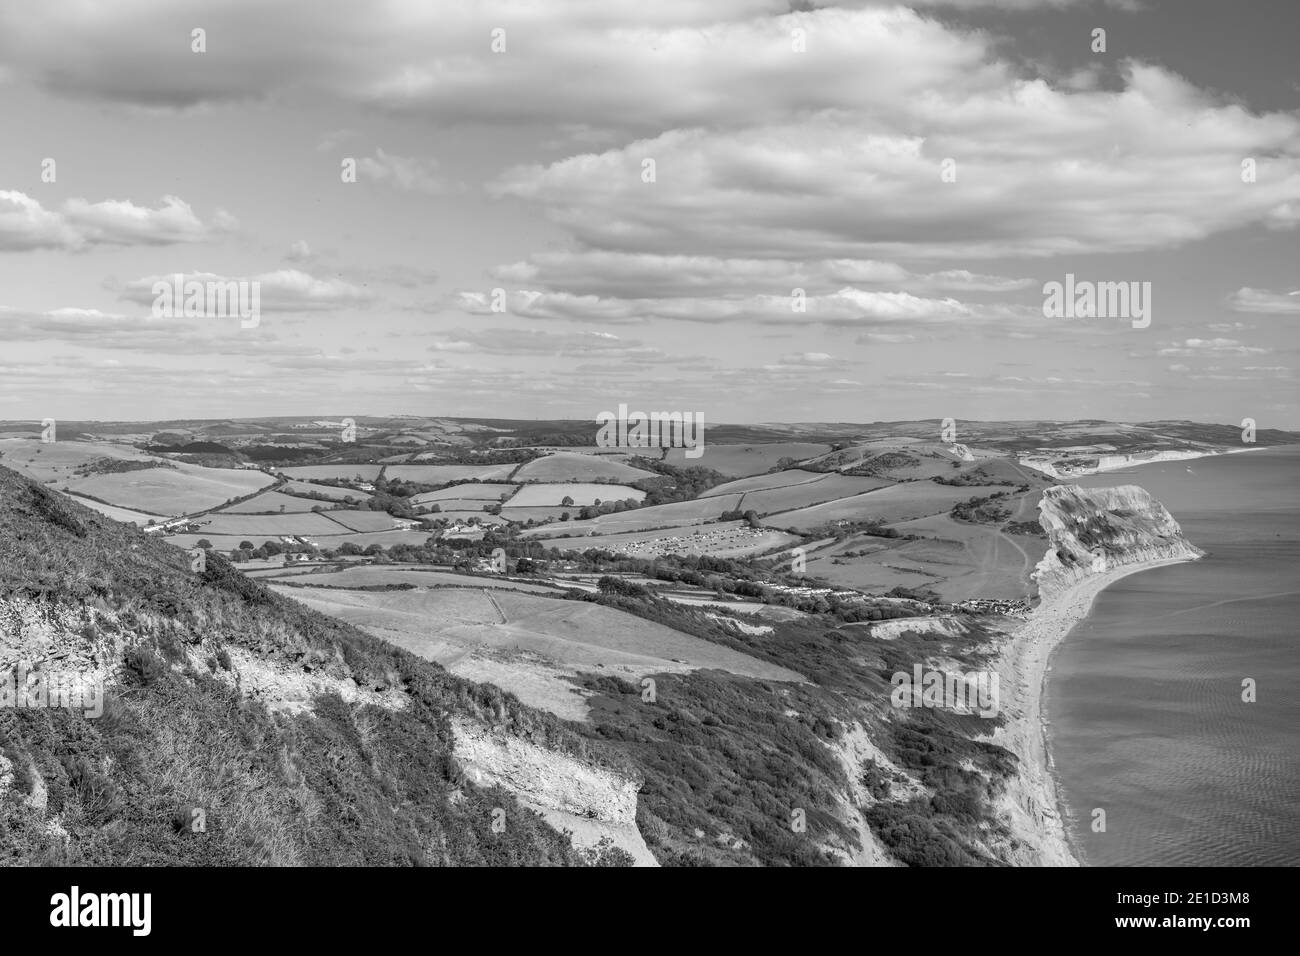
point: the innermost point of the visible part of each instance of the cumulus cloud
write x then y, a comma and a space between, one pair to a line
1211, 347
79, 224
1265, 302
285, 290
643, 275
847, 306
405, 173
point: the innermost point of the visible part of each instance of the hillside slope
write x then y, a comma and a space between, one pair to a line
237, 727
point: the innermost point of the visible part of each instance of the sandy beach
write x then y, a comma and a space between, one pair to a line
1030, 803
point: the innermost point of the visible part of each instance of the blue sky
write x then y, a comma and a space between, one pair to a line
776, 168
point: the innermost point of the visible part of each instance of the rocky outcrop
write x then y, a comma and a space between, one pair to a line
1094, 530
591, 803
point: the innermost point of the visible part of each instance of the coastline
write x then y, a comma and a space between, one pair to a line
1031, 803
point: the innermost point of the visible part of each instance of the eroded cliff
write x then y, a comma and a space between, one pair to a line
1094, 530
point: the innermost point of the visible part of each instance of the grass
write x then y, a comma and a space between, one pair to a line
339, 784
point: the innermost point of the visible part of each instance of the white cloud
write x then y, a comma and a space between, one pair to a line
25, 224
1264, 302
405, 173
285, 290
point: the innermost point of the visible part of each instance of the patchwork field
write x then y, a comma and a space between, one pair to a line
903, 502
328, 491
482, 517
776, 479
486, 490
363, 520
439, 474
745, 460
228, 542
272, 502
581, 493
459, 504
343, 472
677, 514
827, 488
571, 467
723, 539
185, 489
307, 523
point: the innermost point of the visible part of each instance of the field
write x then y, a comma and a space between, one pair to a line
440, 474
547, 495
486, 490
60, 459
913, 499
677, 514
363, 520
570, 467
229, 542
525, 643
185, 489
482, 516
724, 539
520, 515
342, 472
827, 488
307, 523
368, 575
458, 504
337, 494
777, 479
272, 502
119, 514
745, 460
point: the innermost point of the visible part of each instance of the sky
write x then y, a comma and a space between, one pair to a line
754, 210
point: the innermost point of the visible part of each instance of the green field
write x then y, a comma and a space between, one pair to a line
677, 514
570, 467
742, 461
582, 493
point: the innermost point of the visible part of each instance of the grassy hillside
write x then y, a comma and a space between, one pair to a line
358, 769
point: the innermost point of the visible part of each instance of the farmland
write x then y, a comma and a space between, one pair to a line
580, 493
658, 516
723, 539
890, 504
440, 474
741, 461
527, 643
565, 466
184, 489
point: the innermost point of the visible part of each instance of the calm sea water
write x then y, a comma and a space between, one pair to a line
1144, 697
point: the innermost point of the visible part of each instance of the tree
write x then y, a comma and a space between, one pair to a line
566, 502
204, 543
246, 546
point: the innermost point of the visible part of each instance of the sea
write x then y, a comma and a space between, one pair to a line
1144, 699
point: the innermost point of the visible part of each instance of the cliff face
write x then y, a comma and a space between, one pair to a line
1095, 530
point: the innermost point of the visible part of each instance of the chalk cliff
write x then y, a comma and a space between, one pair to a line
1094, 530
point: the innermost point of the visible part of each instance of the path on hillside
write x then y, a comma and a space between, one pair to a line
504, 619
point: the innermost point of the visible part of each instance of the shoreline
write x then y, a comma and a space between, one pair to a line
1032, 801
1181, 455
